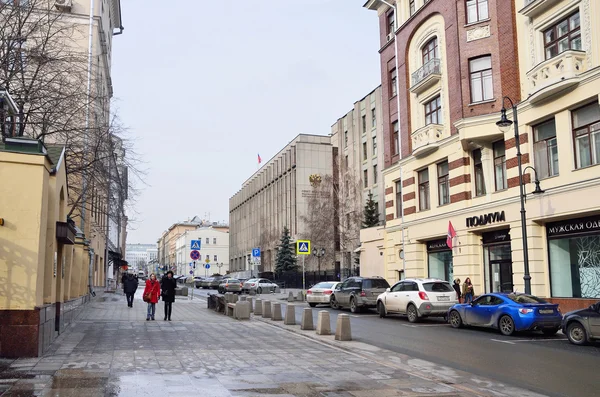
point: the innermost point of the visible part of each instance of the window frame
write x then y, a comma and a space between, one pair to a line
398, 188
427, 50
503, 162
412, 7
365, 151
374, 146
365, 178
424, 187
364, 123
437, 111
589, 135
548, 149
391, 22
478, 166
374, 174
393, 83
481, 74
443, 179
395, 138
477, 3
373, 118
345, 139
568, 34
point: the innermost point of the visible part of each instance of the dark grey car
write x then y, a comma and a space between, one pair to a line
358, 293
582, 326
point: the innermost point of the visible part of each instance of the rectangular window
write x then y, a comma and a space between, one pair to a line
393, 79
364, 124
433, 111
479, 178
411, 6
373, 118
563, 36
424, 190
207, 257
545, 149
395, 138
586, 134
365, 154
207, 240
346, 161
375, 174
477, 10
345, 138
430, 50
366, 178
374, 146
214, 240
500, 165
443, 183
215, 258
398, 199
377, 210
482, 87
391, 20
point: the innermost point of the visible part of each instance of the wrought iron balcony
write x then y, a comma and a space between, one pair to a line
426, 76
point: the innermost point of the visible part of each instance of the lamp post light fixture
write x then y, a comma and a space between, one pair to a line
319, 253
504, 125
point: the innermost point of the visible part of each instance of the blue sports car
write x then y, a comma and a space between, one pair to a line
508, 312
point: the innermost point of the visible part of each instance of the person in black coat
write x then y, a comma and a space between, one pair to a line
456, 286
130, 285
168, 286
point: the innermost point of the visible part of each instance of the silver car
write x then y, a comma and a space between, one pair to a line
230, 285
320, 293
358, 293
259, 285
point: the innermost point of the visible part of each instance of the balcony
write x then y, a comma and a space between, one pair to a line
65, 232
534, 8
426, 140
555, 75
428, 75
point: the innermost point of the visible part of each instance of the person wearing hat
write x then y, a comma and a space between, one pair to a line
168, 286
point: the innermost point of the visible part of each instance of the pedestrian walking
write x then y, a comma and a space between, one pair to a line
456, 286
468, 291
130, 285
151, 294
168, 286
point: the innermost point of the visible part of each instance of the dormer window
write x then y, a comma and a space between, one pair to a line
564, 35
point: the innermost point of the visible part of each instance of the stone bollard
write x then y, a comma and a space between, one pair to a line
342, 327
242, 310
249, 299
266, 309
234, 298
301, 296
291, 297
307, 319
258, 307
290, 315
276, 311
323, 323
243, 298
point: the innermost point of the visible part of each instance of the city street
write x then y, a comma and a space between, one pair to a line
548, 365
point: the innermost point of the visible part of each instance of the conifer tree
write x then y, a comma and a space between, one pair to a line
371, 215
285, 260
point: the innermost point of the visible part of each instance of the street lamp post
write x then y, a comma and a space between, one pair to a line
319, 253
504, 125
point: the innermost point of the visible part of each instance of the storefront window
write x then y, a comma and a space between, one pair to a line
574, 248
439, 258
497, 260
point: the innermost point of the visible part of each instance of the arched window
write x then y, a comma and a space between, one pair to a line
430, 50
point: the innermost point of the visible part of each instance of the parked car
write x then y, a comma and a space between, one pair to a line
417, 298
358, 293
230, 285
198, 281
320, 293
508, 312
259, 285
205, 283
215, 282
582, 326
181, 279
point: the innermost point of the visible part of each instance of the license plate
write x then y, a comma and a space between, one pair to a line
546, 311
317, 293
443, 298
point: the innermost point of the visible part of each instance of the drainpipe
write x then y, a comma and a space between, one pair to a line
87, 114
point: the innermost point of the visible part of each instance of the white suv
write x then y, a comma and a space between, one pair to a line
417, 298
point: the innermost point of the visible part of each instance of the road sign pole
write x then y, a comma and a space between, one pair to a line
303, 273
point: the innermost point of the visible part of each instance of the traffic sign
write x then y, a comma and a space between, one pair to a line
207, 260
207, 266
303, 247
195, 244
191, 272
195, 255
256, 252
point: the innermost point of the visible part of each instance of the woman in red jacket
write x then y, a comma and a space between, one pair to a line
152, 289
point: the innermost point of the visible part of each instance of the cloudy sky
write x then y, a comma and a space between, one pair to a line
205, 86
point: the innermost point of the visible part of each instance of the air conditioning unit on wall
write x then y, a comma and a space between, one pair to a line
63, 5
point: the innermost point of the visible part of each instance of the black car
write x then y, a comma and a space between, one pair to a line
582, 326
358, 293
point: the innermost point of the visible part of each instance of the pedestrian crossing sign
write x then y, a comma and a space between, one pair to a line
303, 247
195, 245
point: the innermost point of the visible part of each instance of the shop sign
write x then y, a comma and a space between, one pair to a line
574, 226
481, 220
497, 236
437, 245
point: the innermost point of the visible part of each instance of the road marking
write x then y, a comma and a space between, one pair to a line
424, 325
540, 340
503, 341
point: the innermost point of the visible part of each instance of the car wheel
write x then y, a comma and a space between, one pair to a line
311, 304
576, 334
550, 332
259, 290
506, 325
381, 309
455, 319
334, 303
411, 312
353, 307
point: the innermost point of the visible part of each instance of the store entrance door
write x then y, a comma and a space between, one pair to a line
498, 262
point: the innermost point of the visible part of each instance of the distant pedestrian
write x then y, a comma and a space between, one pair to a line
168, 286
456, 286
151, 294
130, 285
468, 291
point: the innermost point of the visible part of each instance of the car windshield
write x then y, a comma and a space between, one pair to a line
439, 286
375, 283
323, 285
523, 298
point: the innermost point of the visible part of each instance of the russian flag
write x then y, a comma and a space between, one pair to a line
259, 159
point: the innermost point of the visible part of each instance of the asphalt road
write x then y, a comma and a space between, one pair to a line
548, 365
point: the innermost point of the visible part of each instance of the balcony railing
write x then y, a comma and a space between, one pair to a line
555, 74
426, 140
430, 72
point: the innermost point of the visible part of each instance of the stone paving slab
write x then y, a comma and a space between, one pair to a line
111, 350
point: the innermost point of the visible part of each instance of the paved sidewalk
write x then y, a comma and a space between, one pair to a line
112, 351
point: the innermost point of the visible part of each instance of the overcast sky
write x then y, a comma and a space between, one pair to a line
205, 85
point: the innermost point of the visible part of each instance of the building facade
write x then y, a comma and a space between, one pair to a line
214, 252
449, 163
358, 137
277, 196
139, 256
